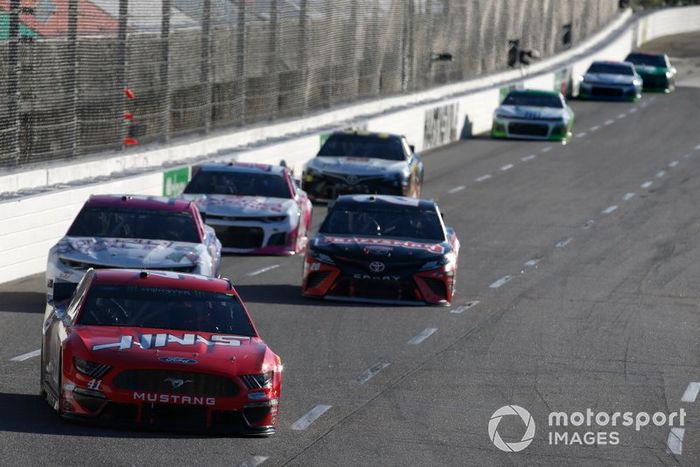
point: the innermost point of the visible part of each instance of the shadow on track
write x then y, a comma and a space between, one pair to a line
283, 294
22, 302
27, 413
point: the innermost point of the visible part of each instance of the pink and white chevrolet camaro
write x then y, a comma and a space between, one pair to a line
254, 208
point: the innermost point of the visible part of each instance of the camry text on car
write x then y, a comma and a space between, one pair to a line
532, 114
611, 81
121, 231
254, 208
384, 249
158, 349
363, 163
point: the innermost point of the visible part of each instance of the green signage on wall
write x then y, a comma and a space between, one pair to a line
175, 180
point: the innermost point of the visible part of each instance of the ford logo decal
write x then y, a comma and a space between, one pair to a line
180, 360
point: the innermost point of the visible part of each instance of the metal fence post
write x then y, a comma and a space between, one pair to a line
72, 77
240, 57
121, 66
303, 64
13, 80
165, 69
272, 52
206, 58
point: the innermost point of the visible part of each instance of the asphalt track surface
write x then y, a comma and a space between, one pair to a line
585, 263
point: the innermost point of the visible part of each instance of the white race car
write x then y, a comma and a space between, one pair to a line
121, 231
533, 114
254, 208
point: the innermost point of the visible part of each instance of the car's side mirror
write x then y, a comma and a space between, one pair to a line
204, 216
412, 147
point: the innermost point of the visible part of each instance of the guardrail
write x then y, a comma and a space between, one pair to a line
30, 225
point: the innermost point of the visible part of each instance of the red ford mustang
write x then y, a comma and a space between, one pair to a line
159, 349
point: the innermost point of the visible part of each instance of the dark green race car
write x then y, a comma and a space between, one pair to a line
655, 69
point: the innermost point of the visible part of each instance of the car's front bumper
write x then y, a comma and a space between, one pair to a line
609, 91
255, 238
145, 410
545, 130
656, 82
433, 287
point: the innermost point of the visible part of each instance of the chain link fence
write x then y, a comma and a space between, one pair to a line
87, 76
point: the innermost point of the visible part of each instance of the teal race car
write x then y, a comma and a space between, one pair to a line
655, 70
533, 114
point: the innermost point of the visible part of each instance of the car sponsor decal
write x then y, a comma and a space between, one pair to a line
242, 202
252, 165
173, 399
431, 247
152, 341
178, 360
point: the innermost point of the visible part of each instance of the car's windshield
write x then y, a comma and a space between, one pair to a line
163, 308
644, 59
239, 183
612, 69
391, 221
373, 146
531, 99
150, 224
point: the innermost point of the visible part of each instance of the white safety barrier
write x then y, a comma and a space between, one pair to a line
30, 225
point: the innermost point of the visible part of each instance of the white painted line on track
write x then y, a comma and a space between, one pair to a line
644, 105
673, 164
262, 270
26, 356
506, 167
609, 122
456, 189
691, 392
621, 116
647, 184
588, 224
628, 196
581, 135
253, 461
483, 178
371, 372
610, 209
421, 336
462, 308
674, 443
595, 128
686, 156
564, 242
501, 282
546, 148
660, 173
632, 110
309, 417
529, 158
533, 262
697, 148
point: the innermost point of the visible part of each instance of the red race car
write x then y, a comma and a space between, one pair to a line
383, 249
159, 350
